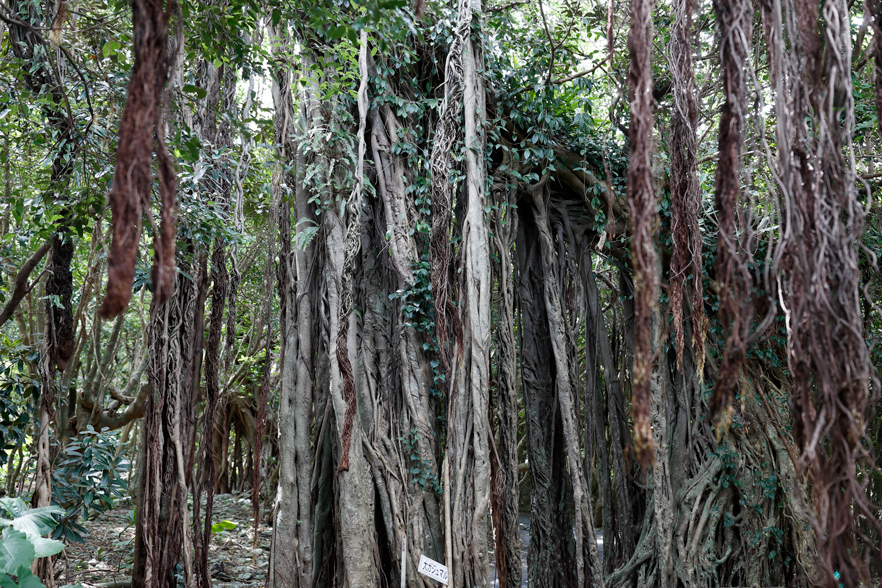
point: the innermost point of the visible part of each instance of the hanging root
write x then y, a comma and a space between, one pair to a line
874, 10
735, 19
827, 353
353, 250
443, 143
348, 388
685, 193
139, 133
644, 218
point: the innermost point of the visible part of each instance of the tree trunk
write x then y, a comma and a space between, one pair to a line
291, 557
162, 528
550, 561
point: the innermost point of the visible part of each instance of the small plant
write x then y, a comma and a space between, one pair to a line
88, 481
222, 526
23, 541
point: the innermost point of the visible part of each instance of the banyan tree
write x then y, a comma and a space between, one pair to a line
485, 312
598, 275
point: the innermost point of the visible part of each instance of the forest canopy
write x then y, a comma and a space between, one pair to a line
550, 292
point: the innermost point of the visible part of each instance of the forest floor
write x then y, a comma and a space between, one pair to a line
106, 556
105, 559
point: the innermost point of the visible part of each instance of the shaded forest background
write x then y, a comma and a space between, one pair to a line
405, 272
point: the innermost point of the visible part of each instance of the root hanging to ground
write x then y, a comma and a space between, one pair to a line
168, 425
353, 250
822, 224
644, 220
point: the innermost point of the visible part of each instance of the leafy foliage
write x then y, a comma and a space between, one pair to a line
23, 540
88, 480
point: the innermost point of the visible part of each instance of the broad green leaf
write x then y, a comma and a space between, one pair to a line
45, 547
7, 582
37, 522
14, 506
27, 580
223, 526
17, 550
110, 48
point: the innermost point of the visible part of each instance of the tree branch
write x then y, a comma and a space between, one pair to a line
508, 6
20, 287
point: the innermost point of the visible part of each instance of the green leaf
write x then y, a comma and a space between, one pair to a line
7, 582
110, 48
17, 550
28, 580
772, 554
18, 211
37, 521
223, 526
191, 89
45, 547
14, 506
337, 32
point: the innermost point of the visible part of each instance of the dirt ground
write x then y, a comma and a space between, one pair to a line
106, 557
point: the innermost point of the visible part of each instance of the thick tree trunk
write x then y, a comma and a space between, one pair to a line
162, 527
506, 491
291, 558
415, 411
587, 555
618, 538
468, 420
550, 561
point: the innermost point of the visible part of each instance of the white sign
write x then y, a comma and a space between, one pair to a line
433, 569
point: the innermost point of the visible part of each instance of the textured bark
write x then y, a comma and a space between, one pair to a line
644, 220
618, 540
291, 562
505, 486
206, 481
443, 144
550, 558
414, 410
735, 20
20, 281
661, 412
587, 555
685, 189
355, 501
141, 133
468, 422
822, 225
161, 528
